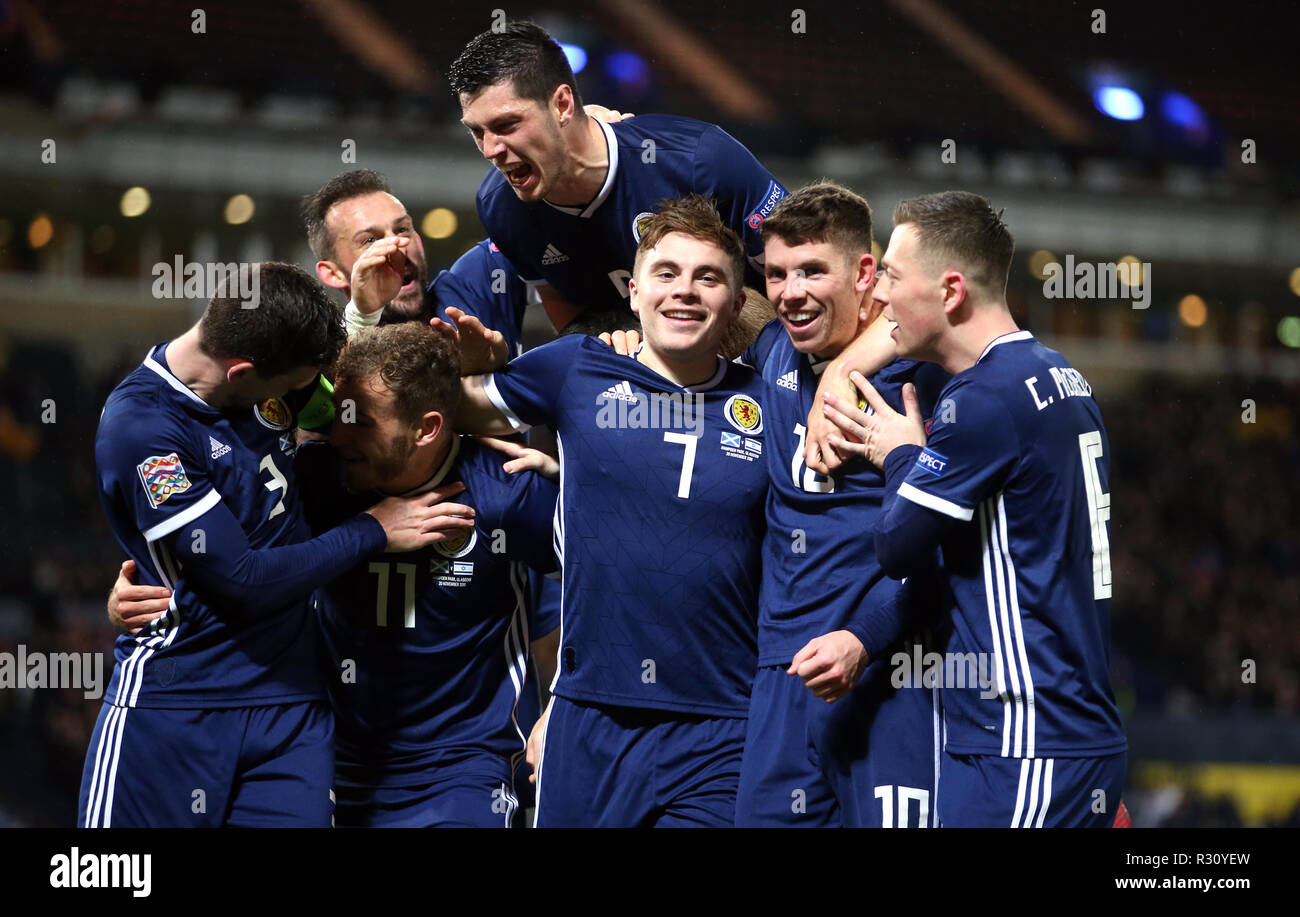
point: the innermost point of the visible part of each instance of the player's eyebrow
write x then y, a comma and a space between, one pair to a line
495, 122
660, 263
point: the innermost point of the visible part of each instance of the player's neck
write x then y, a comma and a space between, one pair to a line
686, 372
422, 465
203, 375
587, 166
984, 326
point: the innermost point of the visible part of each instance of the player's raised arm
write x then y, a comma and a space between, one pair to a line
521, 394
482, 349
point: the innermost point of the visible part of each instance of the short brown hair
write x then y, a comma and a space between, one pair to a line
343, 187
294, 325
960, 229
693, 216
522, 53
822, 212
419, 365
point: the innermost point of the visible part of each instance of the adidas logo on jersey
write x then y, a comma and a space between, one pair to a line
218, 449
790, 380
553, 255
622, 391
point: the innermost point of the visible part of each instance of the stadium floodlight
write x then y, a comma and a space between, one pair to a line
627, 67
576, 56
1119, 102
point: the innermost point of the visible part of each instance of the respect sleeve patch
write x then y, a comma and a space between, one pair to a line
932, 461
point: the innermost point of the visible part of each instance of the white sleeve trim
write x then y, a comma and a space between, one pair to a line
189, 514
494, 395
938, 504
354, 319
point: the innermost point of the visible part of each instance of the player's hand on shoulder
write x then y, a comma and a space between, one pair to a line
413, 522
482, 350
874, 435
830, 665
524, 458
601, 113
131, 607
820, 454
624, 343
378, 274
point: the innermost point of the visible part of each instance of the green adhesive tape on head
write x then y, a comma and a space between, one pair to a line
317, 415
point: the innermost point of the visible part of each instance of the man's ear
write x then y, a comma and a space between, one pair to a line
631, 296
865, 272
562, 104
237, 369
741, 296
431, 424
332, 275
956, 291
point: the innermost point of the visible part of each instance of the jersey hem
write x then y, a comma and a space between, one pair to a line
219, 703
1074, 751
641, 704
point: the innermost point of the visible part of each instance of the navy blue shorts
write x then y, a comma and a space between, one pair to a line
475, 791
878, 747
781, 780
988, 791
634, 768
238, 767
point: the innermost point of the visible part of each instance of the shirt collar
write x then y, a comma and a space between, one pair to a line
155, 361
1006, 339
441, 474
611, 147
711, 382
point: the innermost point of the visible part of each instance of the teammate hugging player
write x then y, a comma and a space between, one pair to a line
826, 607
658, 533
427, 652
568, 196
216, 714
1012, 483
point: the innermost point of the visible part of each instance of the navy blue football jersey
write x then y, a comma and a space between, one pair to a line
173, 471
586, 253
818, 562
659, 526
427, 650
484, 283
1021, 455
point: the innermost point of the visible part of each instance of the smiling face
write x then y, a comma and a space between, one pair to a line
519, 136
911, 294
356, 223
376, 446
685, 296
817, 290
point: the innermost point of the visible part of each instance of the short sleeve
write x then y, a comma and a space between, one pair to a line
528, 521
527, 390
152, 466
972, 448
